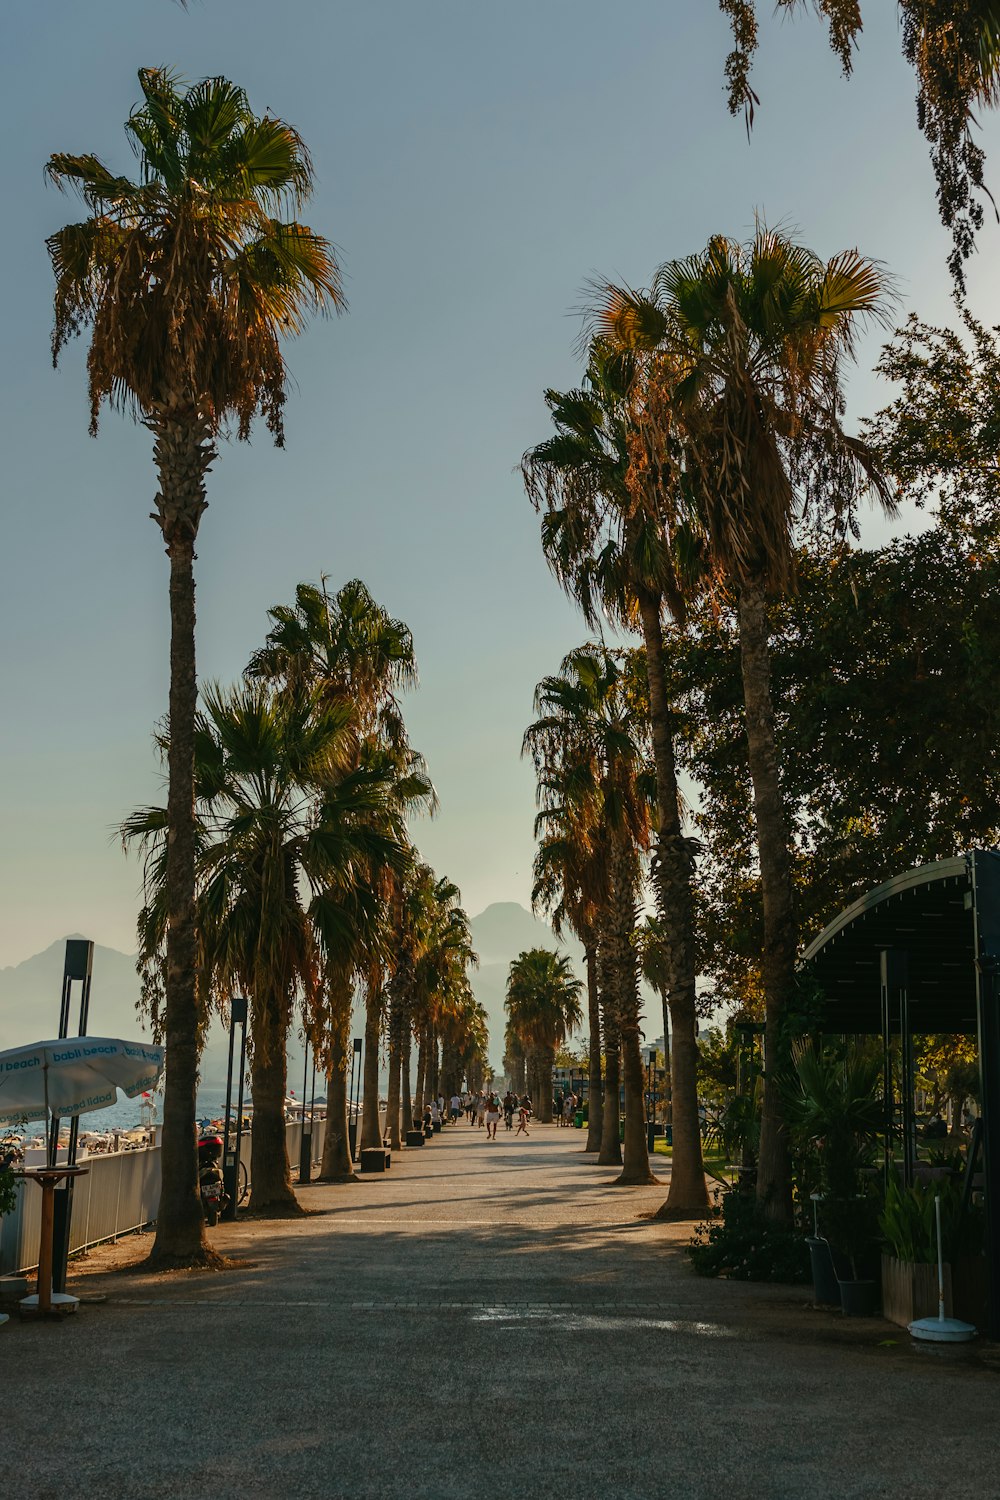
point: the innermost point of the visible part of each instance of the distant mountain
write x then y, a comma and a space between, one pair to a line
29, 1007
29, 991
499, 934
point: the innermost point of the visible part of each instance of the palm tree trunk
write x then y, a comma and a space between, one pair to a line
371, 1128
611, 1150
180, 1225
541, 1094
780, 935
418, 1100
621, 926
336, 1165
672, 870
270, 1178
594, 1104
434, 1064
406, 1098
392, 1092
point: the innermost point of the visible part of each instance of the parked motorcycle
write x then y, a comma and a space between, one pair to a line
214, 1199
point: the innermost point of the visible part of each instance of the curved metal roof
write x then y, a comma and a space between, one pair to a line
936, 915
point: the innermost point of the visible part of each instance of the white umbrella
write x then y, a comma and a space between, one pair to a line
69, 1076
74, 1076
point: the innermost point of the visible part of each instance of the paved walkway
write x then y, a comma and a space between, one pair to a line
485, 1320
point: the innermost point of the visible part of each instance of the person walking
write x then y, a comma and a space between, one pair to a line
509, 1106
523, 1116
456, 1107
480, 1110
492, 1116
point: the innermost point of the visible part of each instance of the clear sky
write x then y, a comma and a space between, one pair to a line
475, 164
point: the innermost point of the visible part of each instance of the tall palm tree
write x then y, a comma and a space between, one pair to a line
570, 887
604, 541
348, 649
741, 429
290, 832
543, 1005
442, 984
188, 278
592, 721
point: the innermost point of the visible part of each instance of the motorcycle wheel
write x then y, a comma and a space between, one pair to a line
212, 1217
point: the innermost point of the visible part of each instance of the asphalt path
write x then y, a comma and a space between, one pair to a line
487, 1319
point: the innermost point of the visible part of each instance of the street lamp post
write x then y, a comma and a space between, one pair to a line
231, 1158
305, 1144
651, 1122
353, 1105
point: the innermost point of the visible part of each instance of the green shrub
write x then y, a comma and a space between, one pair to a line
739, 1242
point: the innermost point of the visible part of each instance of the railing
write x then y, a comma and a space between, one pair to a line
119, 1194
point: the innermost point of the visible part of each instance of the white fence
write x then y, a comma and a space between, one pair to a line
120, 1193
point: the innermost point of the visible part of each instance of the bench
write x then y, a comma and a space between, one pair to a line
375, 1159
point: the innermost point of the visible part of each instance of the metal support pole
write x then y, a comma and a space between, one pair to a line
353, 1127
238, 1017
906, 1088
77, 964
989, 1075
886, 969
305, 1141
228, 1158
894, 971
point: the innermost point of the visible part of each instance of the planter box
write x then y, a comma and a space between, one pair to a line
910, 1291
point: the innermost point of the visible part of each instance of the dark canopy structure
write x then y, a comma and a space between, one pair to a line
921, 954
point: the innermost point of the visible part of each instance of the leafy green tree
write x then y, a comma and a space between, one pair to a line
742, 429
603, 539
953, 47
886, 722
543, 1007
188, 278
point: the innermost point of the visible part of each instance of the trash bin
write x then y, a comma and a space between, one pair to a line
578, 1119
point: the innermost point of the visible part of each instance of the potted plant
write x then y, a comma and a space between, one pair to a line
834, 1100
909, 1260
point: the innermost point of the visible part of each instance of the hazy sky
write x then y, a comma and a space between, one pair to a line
475, 164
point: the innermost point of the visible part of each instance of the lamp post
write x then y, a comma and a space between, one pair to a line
305, 1140
651, 1121
352, 1105
231, 1158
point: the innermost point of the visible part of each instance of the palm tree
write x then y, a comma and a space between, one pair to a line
741, 430
604, 541
188, 278
442, 987
543, 1004
570, 886
348, 649
591, 722
290, 833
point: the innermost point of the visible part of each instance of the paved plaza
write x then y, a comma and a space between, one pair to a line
487, 1319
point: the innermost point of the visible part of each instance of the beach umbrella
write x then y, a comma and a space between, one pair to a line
69, 1076
73, 1076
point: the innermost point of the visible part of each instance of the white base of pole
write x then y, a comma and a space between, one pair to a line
62, 1302
942, 1330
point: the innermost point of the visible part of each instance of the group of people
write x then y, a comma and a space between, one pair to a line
564, 1107
485, 1109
